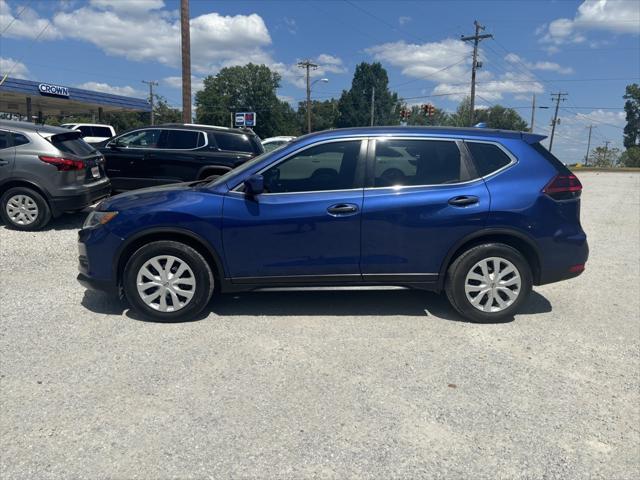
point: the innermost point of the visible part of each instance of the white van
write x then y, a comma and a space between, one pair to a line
92, 132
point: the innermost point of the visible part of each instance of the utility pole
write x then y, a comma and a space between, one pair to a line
533, 112
151, 84
475, 65
186, 61
586, 157
373, 99
606, 151
308, 65
558, 97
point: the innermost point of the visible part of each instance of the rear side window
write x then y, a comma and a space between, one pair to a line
19, 139
4, 139
234, 142
86, 130
102, 132
71, 143
487, 157
183, 139
418, 162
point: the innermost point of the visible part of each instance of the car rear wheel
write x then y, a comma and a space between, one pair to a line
23, 208
168, 281
489, 282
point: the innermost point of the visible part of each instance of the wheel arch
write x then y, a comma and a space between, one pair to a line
178, 235
525, 245
12, 183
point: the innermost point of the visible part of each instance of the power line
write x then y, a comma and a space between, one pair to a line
15, 18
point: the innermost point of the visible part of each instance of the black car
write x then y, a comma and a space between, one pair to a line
174, 153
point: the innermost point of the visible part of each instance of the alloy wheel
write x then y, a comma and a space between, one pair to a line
22, 209
166, 283
492, 284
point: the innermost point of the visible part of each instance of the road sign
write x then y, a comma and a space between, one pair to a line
245, 119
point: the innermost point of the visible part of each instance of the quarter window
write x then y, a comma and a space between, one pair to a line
140, 139
418, 162
19, 139
487, 157
330, 166
4, 140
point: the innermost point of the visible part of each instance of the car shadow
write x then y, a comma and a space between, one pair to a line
322, 303
67, 221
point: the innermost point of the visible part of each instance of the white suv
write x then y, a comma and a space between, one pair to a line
92, 132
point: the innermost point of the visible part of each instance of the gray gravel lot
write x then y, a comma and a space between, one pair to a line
330, 384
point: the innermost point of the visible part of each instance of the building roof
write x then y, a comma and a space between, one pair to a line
67, 100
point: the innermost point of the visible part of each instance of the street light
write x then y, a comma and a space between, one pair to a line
309, 85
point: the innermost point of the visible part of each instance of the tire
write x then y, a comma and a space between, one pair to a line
186, 291
23, 208
466, 283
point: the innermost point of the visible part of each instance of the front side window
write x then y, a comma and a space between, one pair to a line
487, 157
418, 162
183, 140
330, 166
140, 139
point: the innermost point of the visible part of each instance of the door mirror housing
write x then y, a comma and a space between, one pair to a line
254, 185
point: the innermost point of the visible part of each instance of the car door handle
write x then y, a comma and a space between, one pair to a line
342, 209
464, 200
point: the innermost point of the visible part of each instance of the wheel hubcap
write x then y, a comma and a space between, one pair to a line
492, 284
166, 283
22, 209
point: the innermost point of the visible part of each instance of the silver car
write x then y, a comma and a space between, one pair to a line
46, 171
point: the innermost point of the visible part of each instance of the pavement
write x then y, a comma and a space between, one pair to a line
325, 384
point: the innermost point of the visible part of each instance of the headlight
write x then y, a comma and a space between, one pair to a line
98, 218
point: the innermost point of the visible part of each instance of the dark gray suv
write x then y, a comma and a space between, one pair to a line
46, 171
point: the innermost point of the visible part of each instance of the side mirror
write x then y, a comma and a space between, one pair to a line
254, 185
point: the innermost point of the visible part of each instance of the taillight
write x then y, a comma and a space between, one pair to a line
63, 164
563, 187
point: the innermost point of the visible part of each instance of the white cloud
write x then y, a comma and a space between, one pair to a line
615, 16
13, 68
546, 66
130, 7
24, 22
126, 91
216, 41
291, 25
404, 20
295, 75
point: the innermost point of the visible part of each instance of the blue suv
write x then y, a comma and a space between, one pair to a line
479, 214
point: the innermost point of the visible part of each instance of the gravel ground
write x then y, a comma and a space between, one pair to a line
330, 384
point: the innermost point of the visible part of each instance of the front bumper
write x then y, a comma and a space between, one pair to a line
95, 284
81, 200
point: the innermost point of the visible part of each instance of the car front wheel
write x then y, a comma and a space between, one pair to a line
168, 281
488, 283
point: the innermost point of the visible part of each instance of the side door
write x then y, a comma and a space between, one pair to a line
7, 154
305, 227
124, 158
422, 195
178, 157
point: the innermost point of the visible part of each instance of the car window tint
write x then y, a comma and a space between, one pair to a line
234, 142
19, 139
101, 132
331, 166
140, 138
417, 162
487, 157
70, 143
86, 130
181, 139
4, 140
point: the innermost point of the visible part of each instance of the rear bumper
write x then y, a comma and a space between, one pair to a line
567, 262
79, 200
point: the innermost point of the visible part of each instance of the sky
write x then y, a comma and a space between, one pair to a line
589, 49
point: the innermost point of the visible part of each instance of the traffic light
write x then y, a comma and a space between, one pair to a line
428, 109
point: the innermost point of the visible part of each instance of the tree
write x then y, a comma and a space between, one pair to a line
355, 104
604, 157
630, 157
632, 109
496, 116
250, 88
418, 117
324, 115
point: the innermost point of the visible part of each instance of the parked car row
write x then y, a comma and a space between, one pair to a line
46, 171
